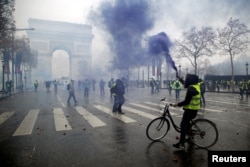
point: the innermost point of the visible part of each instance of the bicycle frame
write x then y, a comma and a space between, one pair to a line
159, 127
166, 114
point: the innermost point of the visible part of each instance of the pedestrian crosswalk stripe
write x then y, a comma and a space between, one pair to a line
149, 108
61, 123
151, 103
27, 124
92, 120
147, 115
60, 100
6, 115
120, 117
213, 110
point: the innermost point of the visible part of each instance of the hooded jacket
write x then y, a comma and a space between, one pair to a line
190, 80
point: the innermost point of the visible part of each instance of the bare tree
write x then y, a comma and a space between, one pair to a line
195, 44
233, 40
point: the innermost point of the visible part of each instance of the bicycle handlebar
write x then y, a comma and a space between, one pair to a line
164, 99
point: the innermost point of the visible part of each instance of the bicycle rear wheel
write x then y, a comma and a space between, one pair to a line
157, 128
203, 133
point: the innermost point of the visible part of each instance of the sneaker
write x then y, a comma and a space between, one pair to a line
121, 113
179, 145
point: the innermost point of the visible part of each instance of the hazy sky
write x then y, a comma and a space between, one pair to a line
173, 16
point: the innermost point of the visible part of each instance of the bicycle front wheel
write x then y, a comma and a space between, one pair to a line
157, 128
204, 133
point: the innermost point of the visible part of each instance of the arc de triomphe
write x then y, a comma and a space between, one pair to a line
49, 36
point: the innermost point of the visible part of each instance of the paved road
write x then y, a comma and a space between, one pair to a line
40, 129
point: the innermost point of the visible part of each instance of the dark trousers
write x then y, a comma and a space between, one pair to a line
177, 93
71, 94
102, 91
241, 93
86, 92
118, 102
202, 99
185, 123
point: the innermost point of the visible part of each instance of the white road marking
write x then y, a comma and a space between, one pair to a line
150, 108
6, 115
61, 123
213, 110
180, 109
120, 117
60, 100
147, 115
92, 120
224, 102
27, 124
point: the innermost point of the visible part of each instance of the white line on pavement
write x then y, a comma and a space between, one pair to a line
149, 108
92, 120
180, 109
150, 116
27, 124
6, 115
120, 117
61, 123
60, 100
224, 102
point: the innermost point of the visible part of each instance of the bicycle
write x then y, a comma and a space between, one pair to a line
202, 132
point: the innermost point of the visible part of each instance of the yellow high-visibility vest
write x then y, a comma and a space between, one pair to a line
195, 102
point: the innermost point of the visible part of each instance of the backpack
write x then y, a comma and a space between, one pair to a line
119, 88
177, 84
68, 86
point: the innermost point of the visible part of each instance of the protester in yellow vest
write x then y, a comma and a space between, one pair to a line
191, 105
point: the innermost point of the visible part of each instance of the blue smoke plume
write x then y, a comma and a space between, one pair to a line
126, 21
160, 43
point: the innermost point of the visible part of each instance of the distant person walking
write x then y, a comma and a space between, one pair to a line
86, 86
36, 85
71, 89
177, 87
110, 84
47, 85
152, 85
9, 86
55, 85
241, 87
93, 84
170, 85
102, 83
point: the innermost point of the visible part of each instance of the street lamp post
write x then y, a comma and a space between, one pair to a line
143, 78
247, 69
180, 70
3, 63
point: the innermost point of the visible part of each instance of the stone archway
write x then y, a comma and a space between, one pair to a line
49, 36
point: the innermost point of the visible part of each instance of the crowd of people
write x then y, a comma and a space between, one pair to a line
193, 100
